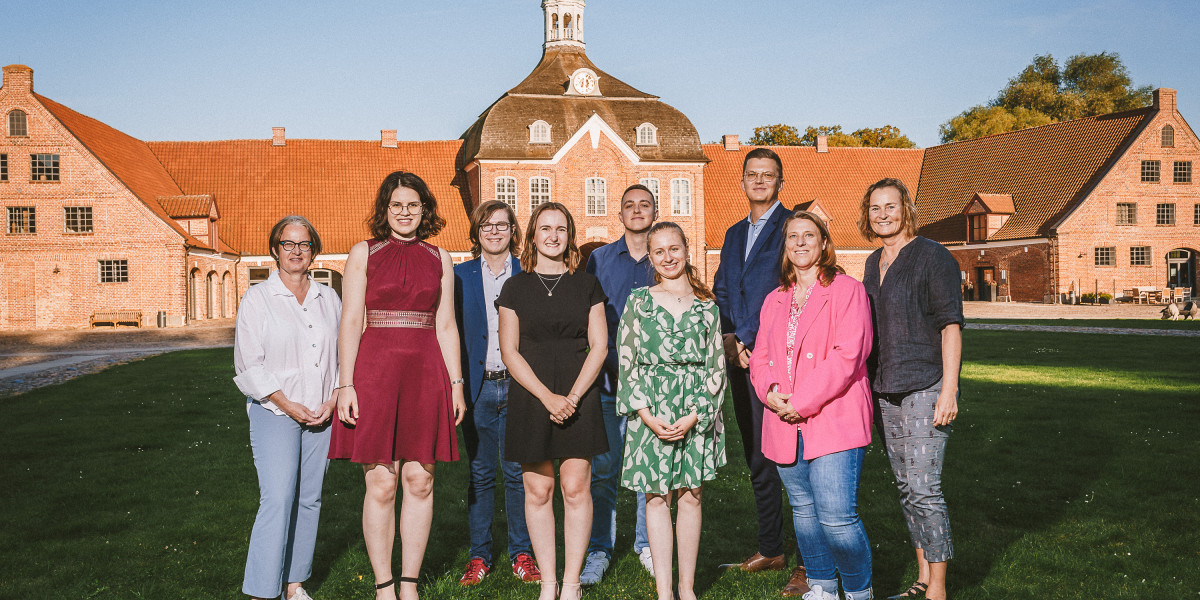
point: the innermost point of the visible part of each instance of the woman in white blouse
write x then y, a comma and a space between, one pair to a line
286, 359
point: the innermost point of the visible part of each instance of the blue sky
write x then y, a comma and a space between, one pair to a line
344, 70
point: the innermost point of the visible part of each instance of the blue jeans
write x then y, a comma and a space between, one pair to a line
483, 432
823, 493
606, 480
291, 460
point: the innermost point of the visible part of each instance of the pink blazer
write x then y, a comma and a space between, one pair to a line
832, 393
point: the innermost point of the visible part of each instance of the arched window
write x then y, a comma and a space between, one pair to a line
568, 31
506, 191
18, 123
647, 135
681, 197
539, 132
1168, 136
539, 191
554, 26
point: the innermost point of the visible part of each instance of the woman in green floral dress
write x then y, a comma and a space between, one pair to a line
671, 386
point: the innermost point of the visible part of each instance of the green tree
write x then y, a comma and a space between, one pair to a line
1089, 84
887, 136
776, 135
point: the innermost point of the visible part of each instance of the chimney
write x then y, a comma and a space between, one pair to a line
1164, 98
388, 137
822, 143
19, 78
277, 138
731, 142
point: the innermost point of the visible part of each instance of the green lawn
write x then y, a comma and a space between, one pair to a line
1073, 472
1191, 325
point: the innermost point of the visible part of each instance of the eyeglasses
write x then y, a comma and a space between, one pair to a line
289, 245
764, 176
501, 227
413, 208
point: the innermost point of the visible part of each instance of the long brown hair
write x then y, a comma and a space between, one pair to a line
431, 223
909, 211
481, 214
698, 287
827, 267
529, 250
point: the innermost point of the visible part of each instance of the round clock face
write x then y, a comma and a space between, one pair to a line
584, 82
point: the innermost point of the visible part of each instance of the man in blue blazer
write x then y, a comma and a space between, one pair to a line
749, 269
494, 233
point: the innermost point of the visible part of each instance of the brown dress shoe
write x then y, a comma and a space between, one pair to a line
758, 562
797, 584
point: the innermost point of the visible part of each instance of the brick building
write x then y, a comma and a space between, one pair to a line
1101, 204
97, 220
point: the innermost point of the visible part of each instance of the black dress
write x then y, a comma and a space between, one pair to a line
554, 342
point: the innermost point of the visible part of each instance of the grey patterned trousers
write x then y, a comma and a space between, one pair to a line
917, 450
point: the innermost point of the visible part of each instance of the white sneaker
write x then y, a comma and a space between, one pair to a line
817, 592
300, 595
644, 557
594, 568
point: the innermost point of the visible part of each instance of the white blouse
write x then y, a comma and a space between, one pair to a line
281, 344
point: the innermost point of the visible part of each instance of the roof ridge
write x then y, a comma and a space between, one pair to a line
1118, 114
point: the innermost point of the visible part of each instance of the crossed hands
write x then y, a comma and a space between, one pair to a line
668, 432
778, 403
561, 407
736, 353
301, 414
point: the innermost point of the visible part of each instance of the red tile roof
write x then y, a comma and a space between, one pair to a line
331, 182
1046, 170
837, 179
187, 207
128, 158
999, 204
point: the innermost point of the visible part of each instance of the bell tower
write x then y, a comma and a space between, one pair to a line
564, 23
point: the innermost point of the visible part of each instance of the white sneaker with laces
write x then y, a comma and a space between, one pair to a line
646, 560
300, 595
594, 568
817, 592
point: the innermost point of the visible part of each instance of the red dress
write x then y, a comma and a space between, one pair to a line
405, 410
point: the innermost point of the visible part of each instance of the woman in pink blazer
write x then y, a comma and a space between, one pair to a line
809, 366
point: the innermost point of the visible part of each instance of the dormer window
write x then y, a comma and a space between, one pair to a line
1168, 136
539, 132
18, 123
647, 135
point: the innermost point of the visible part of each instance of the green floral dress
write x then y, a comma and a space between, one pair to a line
674, 368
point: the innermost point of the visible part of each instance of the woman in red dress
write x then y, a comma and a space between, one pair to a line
398, 416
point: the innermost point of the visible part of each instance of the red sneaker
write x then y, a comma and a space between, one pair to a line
526, 569
475, 572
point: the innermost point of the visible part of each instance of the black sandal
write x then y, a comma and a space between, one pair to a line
916, 591
380, 586
412, 580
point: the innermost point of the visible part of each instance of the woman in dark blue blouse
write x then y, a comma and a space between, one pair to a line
913, 283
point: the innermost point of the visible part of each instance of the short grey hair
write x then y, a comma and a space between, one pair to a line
277, 235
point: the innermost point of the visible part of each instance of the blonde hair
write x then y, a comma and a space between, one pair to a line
698, 287
909, 219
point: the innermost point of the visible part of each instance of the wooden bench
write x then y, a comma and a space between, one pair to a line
117, 317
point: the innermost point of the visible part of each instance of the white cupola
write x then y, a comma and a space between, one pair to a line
564, 22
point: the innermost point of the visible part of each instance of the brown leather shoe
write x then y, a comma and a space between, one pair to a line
758, 562
797, 584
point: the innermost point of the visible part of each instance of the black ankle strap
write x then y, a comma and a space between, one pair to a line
408, 580
380, 586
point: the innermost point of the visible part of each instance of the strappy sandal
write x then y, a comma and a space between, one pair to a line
552, 583
380, 586
916, 591
576, 585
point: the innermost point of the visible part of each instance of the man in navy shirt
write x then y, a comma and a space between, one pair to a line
621, 267
749, 270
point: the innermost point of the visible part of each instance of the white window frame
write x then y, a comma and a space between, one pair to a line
653, 184
83, 219
506, 191
14, 116
681, 196
539, 132
116, 270
539, 191
595, 193
647, 135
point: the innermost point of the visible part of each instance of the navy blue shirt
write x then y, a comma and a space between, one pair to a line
619, 275
918, 298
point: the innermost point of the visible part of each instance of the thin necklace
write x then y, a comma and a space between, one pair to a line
549, 289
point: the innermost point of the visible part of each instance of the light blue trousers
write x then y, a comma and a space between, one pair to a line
606, 479
291, 462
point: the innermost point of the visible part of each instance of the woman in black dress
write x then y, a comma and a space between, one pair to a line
553, 339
